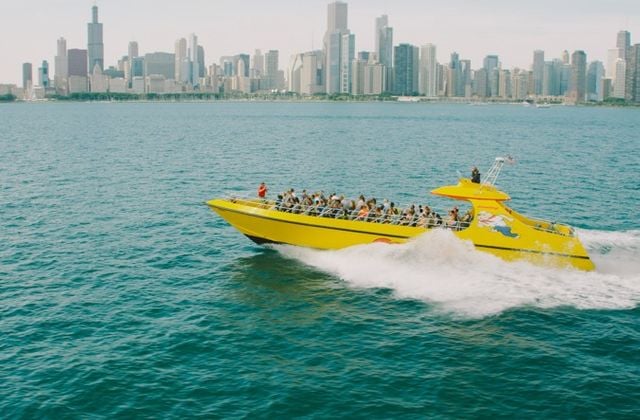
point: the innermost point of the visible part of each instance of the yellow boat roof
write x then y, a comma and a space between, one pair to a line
467, 190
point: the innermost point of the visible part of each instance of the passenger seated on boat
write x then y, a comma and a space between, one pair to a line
361, 202
452, 219
363, 213
466, 220
375, 214
407, 216
278, 203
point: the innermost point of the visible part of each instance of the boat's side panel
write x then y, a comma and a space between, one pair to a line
308, 231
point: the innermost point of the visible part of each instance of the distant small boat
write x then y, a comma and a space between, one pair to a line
543, 105
408, 99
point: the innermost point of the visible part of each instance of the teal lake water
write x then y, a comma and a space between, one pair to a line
123, 295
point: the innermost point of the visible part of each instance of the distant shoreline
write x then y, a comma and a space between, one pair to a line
292, 98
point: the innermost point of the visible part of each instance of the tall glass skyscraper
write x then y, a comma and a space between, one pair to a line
632, 86
95, 46
538, 71
333, 48
578, 82
405, 69
428, 70
623, 42
384, 47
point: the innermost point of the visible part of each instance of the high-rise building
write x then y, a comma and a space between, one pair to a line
61, 69
613, 55
578, 81
95, 46
305, 73
160, 64
137, 67
202, 70
333, 43
271, 70
406, 58
374, 78
244, 71
455, 83
595, 73
428, 70
491, 64
384, 47
132, 54
347, 54
357, 76
337, 16
257, 64
180, 51
552, 77
43, 74
481, 83
194, 78
538, 71
466, 80
632, 93
77, 62
27, 75
565, 57
505, 84
623, 42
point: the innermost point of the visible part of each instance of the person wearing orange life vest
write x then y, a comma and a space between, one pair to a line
262, 190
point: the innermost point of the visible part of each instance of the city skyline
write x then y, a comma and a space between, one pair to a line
226, 28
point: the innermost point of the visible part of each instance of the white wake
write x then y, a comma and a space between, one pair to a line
450, 274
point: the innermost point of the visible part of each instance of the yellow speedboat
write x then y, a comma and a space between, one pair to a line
493, 227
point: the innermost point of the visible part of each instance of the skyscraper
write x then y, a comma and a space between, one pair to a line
623, 42
347, 54
160, 64
271, 70
595, 73
384, 47
27, 75
180, 51
202, 71
133, 54
43, 74
578, 81
95, 46
491, 64
428, 69
258, 63
61, 69
337, 16
406, 69
538, 71
77, 62
77, 66
194, 77
333, 42
454, 76
632, 93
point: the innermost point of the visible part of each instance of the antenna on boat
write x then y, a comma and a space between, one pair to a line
492, 175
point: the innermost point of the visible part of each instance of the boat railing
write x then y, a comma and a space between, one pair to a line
315, 210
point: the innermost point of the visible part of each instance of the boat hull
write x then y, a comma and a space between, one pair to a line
519, 241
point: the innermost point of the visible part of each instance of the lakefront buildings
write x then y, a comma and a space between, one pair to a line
392, 67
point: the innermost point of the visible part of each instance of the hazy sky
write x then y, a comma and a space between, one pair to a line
512, 29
